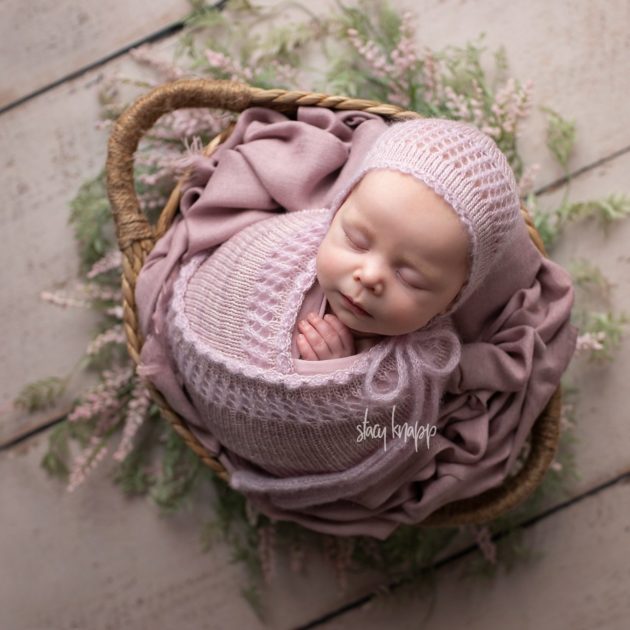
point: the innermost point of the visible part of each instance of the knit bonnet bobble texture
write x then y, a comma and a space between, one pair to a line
467, 169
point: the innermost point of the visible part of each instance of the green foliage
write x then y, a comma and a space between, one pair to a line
609, 324
55, 458
408, 554
180, 467
92, 221
560, 136
612, 208
512, 551
551, 223
41, 394
257, 50
133, 474
589, 277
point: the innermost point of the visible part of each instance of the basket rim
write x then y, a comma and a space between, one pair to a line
136, 238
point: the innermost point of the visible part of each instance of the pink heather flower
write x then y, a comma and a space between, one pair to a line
284, 73
103, 398
98, 292
111, 260
565, 412
266, 551
137, 409
343, 559
338, 552
86, 462
115, 311
456, 103
101, 125
297, 553
433, 88
115, 334
152, 199
236, 71
89, 290
404, 56
92, 455
251, 513
483, 538
146, 55
394, 69
370, 52
184, 123
60, 298
159, 161
590, 341
494, 132
511, 104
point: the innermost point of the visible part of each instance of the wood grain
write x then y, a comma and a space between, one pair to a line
42, 42
96, 560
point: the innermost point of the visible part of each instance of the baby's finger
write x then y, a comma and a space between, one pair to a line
342, 330
306, 352
315, 339
329, 334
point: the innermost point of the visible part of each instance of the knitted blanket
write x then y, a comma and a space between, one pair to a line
296, 441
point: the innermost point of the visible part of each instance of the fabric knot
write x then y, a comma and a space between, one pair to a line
423, 359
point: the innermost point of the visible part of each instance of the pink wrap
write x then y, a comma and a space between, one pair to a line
515, 329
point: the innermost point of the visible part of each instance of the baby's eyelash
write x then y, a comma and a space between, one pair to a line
411, 286
353, 243
362, 249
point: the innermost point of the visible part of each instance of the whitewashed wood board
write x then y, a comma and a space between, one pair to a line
96, 559
602, 414
580, 581
65, 115
41, 340
51, 145
576, 52
42, 42
52, 148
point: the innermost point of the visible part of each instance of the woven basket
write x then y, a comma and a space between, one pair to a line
136, 237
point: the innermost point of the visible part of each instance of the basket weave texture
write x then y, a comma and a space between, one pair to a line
137, 237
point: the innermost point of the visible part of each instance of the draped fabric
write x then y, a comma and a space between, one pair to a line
514, 337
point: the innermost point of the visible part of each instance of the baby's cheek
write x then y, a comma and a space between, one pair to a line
325, 265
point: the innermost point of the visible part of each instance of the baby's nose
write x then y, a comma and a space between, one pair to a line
371, 278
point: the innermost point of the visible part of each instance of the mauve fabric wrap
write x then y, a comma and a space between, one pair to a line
515, 329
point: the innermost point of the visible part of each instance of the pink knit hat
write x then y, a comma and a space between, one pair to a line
467, 169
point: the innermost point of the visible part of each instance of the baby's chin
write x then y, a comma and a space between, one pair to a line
361, 333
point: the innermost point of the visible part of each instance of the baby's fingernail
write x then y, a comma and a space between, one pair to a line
311, 317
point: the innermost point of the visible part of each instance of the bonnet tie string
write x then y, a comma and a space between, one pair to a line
423, 357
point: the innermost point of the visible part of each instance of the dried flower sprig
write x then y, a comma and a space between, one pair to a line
379, 60
601, 334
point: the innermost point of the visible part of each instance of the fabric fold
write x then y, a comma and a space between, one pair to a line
504, 350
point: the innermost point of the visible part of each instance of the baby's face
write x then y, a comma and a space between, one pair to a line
398, 250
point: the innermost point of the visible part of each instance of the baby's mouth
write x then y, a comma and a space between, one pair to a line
355, 307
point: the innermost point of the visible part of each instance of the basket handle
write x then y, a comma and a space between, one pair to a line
131, 224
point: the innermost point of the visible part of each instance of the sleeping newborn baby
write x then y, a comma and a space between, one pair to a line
389, 261
395, 256
414, 233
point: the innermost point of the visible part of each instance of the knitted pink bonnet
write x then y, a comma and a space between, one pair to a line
467, 169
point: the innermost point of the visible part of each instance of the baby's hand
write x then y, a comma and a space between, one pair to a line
324, 338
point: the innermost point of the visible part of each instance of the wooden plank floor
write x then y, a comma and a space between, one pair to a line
49, 41
95, 560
